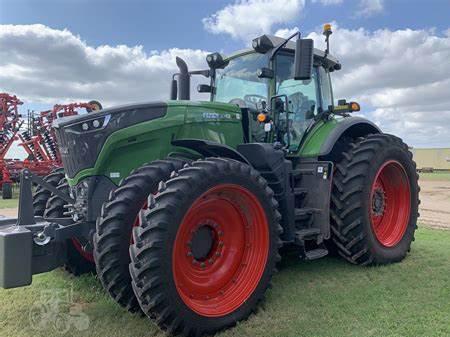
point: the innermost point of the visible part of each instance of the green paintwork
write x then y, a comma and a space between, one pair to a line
131, 147
317, 136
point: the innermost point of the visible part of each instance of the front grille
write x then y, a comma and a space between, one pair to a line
80, 150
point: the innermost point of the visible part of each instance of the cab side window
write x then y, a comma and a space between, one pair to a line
325, 88
303, 97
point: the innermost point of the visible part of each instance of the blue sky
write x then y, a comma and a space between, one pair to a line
395, 53
158, 24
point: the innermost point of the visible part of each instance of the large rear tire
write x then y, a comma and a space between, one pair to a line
207, 247
374, 202
114, 226
79, 261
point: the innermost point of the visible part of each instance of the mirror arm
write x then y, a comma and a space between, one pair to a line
282, 44
206, 73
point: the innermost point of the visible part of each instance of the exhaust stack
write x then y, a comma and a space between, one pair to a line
184, 80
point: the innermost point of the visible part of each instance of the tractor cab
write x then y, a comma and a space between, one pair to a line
281, 86
261, 85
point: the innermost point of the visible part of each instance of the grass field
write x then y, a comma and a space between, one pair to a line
327, 297
10, 203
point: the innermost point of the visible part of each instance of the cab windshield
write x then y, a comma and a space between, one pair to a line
238, 82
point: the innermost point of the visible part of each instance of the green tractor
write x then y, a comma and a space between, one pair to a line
182, 207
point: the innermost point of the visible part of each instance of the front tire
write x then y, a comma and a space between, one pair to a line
374, 201
206, 249
113, 228
42, 195
79, 261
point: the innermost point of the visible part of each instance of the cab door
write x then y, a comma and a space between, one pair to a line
303, 98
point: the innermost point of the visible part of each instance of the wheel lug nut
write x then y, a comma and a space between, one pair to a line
220, 243
211, 261
220, 233
189, 254
202, 264
217, 253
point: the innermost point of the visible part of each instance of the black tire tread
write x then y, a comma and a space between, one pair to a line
111, 225
347, 233
7, 191
42, 195
150, 238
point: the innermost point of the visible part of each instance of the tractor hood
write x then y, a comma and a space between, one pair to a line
81, 138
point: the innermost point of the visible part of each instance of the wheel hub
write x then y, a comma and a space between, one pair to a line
203, 240
378, 202
221, 250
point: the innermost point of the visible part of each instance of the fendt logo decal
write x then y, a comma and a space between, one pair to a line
215, 115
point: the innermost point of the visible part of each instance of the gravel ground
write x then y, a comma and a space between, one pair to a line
435, 204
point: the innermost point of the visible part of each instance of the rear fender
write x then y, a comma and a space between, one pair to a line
323, 137
353, 127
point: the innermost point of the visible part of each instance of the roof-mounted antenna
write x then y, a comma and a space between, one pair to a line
327, 32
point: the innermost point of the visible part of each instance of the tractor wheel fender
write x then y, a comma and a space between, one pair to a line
352, 127
208, 148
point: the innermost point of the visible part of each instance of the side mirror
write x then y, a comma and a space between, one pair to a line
204, 88
279, 104
304, 52
173, 90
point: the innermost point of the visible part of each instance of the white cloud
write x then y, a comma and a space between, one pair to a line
370, 7
41, 64
400, 77
328, 2
286, 32
247, 19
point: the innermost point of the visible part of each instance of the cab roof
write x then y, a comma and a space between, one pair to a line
329, 61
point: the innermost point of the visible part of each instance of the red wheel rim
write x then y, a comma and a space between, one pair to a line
390, 201
84, 253
225, 276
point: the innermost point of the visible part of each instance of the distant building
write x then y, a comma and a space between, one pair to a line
436, 159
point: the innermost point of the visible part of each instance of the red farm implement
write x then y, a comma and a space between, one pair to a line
9, 126
36, 137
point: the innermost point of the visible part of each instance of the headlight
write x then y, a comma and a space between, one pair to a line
90, 125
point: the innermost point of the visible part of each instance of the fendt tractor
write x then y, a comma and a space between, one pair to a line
182, 207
